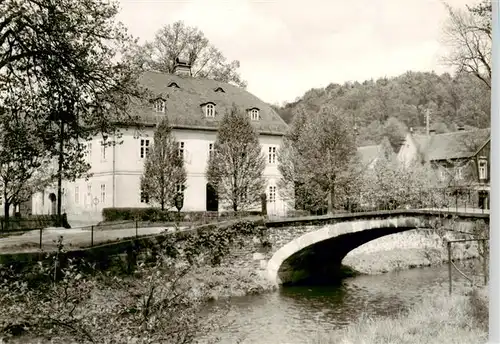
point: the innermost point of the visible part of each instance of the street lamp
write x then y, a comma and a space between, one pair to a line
494, 285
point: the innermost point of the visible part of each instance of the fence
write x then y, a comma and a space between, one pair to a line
450, 199
452, 265
30, 239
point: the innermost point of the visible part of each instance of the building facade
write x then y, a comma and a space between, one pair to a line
461, 158
194, 108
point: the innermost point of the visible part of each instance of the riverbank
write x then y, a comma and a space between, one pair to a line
406, 250
401, 251
227, 282
457, 319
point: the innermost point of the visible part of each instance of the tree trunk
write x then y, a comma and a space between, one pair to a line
162, 204
235, 206
6, 209
59, 174
331, 200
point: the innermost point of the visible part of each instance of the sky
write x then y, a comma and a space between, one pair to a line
288, 47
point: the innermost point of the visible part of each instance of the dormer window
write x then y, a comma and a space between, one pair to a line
254, 114
159, 105
210, 110
173, 84
483, 169
220, 89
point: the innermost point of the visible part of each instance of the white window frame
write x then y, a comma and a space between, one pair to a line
210, 110
89, 194
483, 169
272, 194
103, 193
181, 149
211, 146
254, 114
88, 152
459, 173
179, 188
159, 106
144, 196
103, 151
144, 148
272, 155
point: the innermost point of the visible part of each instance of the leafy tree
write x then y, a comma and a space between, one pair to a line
164, 168
58, 60
461, 99
178, 40
24, 164
395, 131
469, 35
391, 184
324, 149
290, 184
236, 169
351, 183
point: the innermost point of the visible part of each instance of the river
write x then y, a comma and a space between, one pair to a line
295, 315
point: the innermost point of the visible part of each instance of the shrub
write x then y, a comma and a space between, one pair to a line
478, 308
156, 214
32, 222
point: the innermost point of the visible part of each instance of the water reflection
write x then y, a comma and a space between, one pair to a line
294, 315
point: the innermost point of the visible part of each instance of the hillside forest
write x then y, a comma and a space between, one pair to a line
389, 107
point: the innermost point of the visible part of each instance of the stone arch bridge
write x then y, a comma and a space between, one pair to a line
321, 243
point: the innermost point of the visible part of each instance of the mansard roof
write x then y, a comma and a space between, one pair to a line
183, 104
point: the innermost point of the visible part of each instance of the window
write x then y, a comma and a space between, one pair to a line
483, 172
272, 194
272, 155
459, 174
220, 89
88, 153
144, 196
181, 149
443, 174
254, 114
103, 151
103, 193
159, 105
210, 110
77, 194
210, 150
173, 84
180, 188
144, 148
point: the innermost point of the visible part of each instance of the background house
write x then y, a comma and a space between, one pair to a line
194, 107
461, 157
369, 155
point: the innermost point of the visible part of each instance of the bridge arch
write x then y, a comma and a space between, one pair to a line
349, 235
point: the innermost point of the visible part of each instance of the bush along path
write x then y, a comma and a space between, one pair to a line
64, 300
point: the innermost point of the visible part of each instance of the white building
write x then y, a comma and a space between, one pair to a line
194, 108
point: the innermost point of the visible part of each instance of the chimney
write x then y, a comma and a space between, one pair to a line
432, 132
182, 67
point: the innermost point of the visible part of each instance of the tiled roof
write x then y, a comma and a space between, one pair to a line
369, 153
184, 103
455, 145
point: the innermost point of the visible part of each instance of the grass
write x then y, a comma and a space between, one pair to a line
456, 319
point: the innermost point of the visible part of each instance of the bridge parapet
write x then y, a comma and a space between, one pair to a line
378, 215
